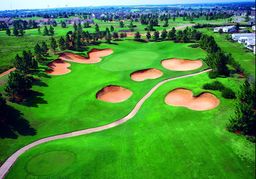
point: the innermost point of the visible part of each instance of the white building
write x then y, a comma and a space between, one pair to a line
248, 39
225, 29
236, 36
253, 28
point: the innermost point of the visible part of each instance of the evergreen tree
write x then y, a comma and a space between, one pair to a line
8, 32
244, 120
44, 49
115, 35
121, 24
18, 85
51, 31
63, 24
166, 24
164, 34
53, 43
62, 43
97, 28
37, 50
21, 32
46, 31
112, 28
15, 31
172, 34
137, 36
108, 37
148, 35
156, 36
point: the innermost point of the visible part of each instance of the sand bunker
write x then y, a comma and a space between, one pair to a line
113, 94
142, 75
94, 56
184, 97
181, 65
58, 67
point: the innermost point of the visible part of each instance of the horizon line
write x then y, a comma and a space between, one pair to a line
172, 4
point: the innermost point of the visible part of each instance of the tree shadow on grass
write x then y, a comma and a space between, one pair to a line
13, 123
40, 83
34, 98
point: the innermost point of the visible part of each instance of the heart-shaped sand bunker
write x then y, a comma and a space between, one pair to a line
114, 94
185, 98
146, 74
181, 64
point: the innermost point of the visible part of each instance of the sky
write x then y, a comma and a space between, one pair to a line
38, 4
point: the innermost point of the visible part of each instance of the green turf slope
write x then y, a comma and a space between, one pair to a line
67, 103
161, 141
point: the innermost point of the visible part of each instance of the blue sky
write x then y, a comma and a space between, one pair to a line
32, 4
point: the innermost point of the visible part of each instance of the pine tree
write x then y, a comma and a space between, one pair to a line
8, 32
18, 85
166, 24
97, 28
44, 49
112, 28
62, 43
156, 36
15, 31
121, 24
172, 34
63, 24
37, 50
164, 34
46, 31
53, 43
137, 36
148, 35
51, 31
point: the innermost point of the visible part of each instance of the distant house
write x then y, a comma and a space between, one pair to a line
254, 28
251, 22
248, 39
77, 20
6, 20
225, 29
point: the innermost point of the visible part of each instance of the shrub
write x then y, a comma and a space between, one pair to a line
228, 93
213, 74
216, 85
194, 45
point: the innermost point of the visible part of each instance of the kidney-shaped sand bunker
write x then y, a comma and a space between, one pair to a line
94, 56
181, 64
185, 98
146, 74
58, 67
114, 94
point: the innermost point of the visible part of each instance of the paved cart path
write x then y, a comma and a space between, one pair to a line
11, 160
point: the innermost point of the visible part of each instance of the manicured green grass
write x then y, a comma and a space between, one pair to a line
10, 46
161, 141
244, 57
68, 103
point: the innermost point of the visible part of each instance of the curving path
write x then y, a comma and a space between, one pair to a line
11, 160
7, 72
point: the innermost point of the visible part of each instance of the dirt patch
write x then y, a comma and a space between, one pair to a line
185, 98
181, 64
94, 56
58, 67
146, 74
114, 94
